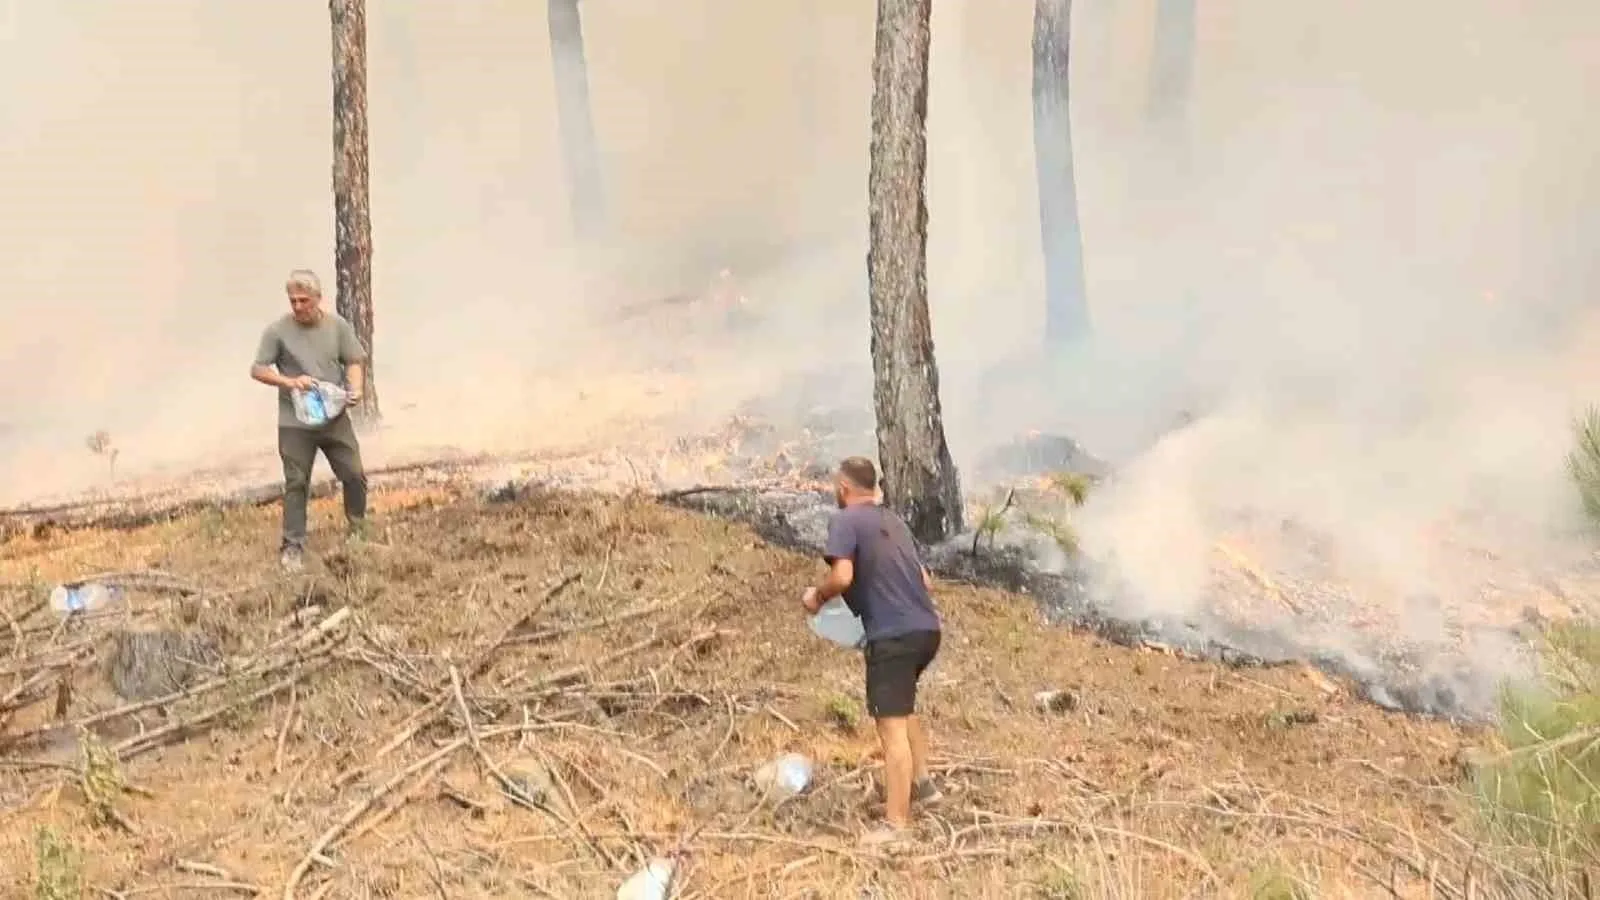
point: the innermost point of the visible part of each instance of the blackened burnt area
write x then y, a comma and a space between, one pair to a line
1396, 680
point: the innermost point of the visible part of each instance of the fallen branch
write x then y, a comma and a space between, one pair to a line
150, 740
753, 487
435, 709
104, 512
508, 785
188, 693
328, 837
14, 620
590, 624
355, 812
19, 696
428, 774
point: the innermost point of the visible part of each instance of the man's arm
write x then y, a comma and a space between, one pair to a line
927, 579
270, 375
265, 369
841, 572
355, 375
840, 553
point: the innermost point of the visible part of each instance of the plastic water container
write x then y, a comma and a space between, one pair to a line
649, 883
785, 776
67, 599
319, 405
835, 622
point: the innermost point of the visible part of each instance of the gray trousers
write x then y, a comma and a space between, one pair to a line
298, 447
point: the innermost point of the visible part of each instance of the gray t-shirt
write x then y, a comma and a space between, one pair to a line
887, 591
321, 351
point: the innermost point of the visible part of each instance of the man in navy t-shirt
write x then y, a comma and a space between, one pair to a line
872, 562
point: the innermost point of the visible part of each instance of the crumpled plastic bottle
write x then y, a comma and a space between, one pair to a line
88, 596
785, 776
319, 405
649, 883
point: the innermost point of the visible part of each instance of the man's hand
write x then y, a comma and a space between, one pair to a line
302, 383
353, 398
809, 601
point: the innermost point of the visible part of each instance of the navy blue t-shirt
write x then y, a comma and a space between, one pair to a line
887, 592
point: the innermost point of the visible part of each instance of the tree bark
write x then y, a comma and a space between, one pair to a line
1061, 233
919, 476
352, 216
576, 121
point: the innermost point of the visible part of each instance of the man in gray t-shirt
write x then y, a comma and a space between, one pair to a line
309, 345
872, 563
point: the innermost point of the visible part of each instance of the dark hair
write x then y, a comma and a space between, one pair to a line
860, 471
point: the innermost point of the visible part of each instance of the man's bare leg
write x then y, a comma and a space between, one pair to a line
897, 769
918, 739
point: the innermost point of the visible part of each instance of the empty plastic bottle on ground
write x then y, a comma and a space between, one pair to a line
649, 883
835, 622
785, 776
86, 597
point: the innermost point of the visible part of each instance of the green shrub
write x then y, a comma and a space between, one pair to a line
58, 875
1583, 462
1541, 797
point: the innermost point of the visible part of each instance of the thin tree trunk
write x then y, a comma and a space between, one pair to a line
576, 122
919, 476
1066, 298
352, 216
1172, 62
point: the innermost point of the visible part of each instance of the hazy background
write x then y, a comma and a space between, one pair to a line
1376, 288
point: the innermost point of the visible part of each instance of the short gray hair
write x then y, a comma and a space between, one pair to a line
305, 280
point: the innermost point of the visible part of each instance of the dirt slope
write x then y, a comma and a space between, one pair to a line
647, 691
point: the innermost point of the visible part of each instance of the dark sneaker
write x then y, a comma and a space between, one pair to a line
292, 559
924, 791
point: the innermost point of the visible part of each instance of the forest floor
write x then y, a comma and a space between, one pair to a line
632, 665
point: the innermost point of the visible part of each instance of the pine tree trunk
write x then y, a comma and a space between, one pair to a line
919, 476
352, 217
1066, 298
576, 122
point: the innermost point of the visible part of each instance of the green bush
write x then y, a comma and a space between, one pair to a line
1541, 796
58, 864
1583, 462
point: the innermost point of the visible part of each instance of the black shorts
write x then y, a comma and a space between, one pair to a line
893, 667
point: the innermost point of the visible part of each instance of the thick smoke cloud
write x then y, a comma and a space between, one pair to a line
1370, 287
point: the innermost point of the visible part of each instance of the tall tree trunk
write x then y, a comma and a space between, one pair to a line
1066, 298
351, 210
576, 122
919, 476
1172, 62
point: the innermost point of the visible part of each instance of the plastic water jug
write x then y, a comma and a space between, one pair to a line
649, 883
835, 622
321, 404
66, 599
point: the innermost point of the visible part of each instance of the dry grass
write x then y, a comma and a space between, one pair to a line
639, 698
